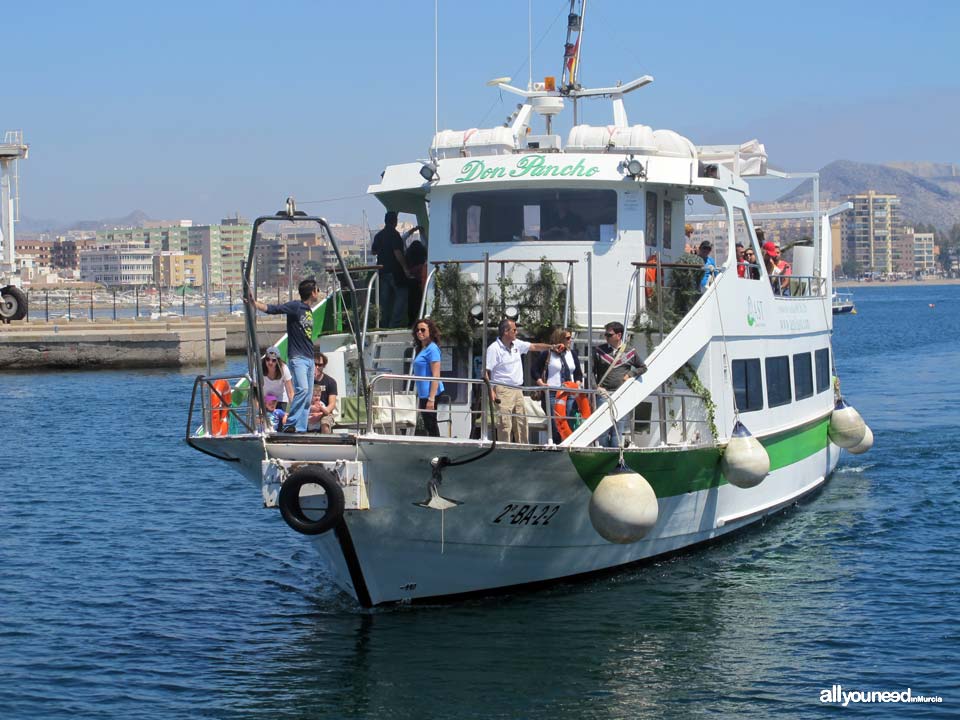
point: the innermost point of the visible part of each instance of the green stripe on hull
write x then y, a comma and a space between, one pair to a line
794, 445
675, 472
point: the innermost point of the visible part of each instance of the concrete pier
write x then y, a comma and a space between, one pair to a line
82, 344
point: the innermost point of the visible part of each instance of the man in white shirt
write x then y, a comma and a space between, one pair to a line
504, 368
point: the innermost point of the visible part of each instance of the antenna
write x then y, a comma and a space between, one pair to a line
530, 44
436, 71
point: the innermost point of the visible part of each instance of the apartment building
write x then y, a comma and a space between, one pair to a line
176, 269
873, 233
117, 266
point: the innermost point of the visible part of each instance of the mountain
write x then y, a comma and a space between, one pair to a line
927, 200
33, 225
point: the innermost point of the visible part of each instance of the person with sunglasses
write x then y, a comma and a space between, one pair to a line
614, 364
750, 264
324, 397
277, 380
426, 363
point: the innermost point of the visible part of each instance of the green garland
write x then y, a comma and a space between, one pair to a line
455, 296
540, 301
692, 380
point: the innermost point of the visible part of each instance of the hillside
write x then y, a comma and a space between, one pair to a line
928, 200
33, 225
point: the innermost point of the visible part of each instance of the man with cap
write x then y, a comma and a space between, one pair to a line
706, 247
785, 268
770, 255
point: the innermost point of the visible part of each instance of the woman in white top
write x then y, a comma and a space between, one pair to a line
277, 379
551, 369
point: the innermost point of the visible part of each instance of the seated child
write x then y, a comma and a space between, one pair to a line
276, 417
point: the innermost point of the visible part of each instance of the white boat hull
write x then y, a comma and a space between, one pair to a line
398, 551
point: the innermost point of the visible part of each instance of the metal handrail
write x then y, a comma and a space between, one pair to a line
630, 293
485, 406
205, 384
426, 287
569, 295
291, 214
662, 422
374, 280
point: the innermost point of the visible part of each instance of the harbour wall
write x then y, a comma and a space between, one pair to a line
84, 344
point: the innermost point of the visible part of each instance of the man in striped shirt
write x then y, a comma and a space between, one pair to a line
614, 364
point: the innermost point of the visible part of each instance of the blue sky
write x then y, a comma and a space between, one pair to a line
202, 109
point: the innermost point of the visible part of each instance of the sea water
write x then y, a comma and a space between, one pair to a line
141, 579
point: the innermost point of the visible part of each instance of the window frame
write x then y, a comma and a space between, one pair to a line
469, 208
778, 378
798, 392
751, 392
821, 364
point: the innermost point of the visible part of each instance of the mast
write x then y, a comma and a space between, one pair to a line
571, 51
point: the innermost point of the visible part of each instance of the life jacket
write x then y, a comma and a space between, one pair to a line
560, 407
651, 276
219, 409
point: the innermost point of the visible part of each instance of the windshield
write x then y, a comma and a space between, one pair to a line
508, 216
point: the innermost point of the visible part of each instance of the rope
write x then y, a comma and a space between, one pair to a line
726, 359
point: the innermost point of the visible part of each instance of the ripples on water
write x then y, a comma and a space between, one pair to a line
141, 579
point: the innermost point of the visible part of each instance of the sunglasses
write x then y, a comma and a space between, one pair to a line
271, 360
422, 330
610, 334
567, 338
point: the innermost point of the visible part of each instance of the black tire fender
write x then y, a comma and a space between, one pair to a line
289, 500
14, 303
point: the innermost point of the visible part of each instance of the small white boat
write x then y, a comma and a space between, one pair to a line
843, 303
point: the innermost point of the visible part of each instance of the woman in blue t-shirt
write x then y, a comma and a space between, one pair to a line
426, 363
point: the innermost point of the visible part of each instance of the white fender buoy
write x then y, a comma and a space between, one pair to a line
847, 428
864, 445
623, 508
745, 462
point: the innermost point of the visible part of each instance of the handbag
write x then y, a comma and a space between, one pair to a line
538, 394
536, 417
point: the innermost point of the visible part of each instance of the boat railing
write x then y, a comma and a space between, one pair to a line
254, 367
225, 404
666, 295
502, 280
373, 283
667, 417
798, 286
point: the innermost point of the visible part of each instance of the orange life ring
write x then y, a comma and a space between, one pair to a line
560, 408
219, 412
651, 276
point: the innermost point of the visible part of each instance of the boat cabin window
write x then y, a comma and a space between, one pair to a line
667, 224
802, 376
742, 234
778, 380
650, 236
508, 216
822, 360
747, 387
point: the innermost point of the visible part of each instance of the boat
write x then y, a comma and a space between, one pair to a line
842, 303
737, 417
